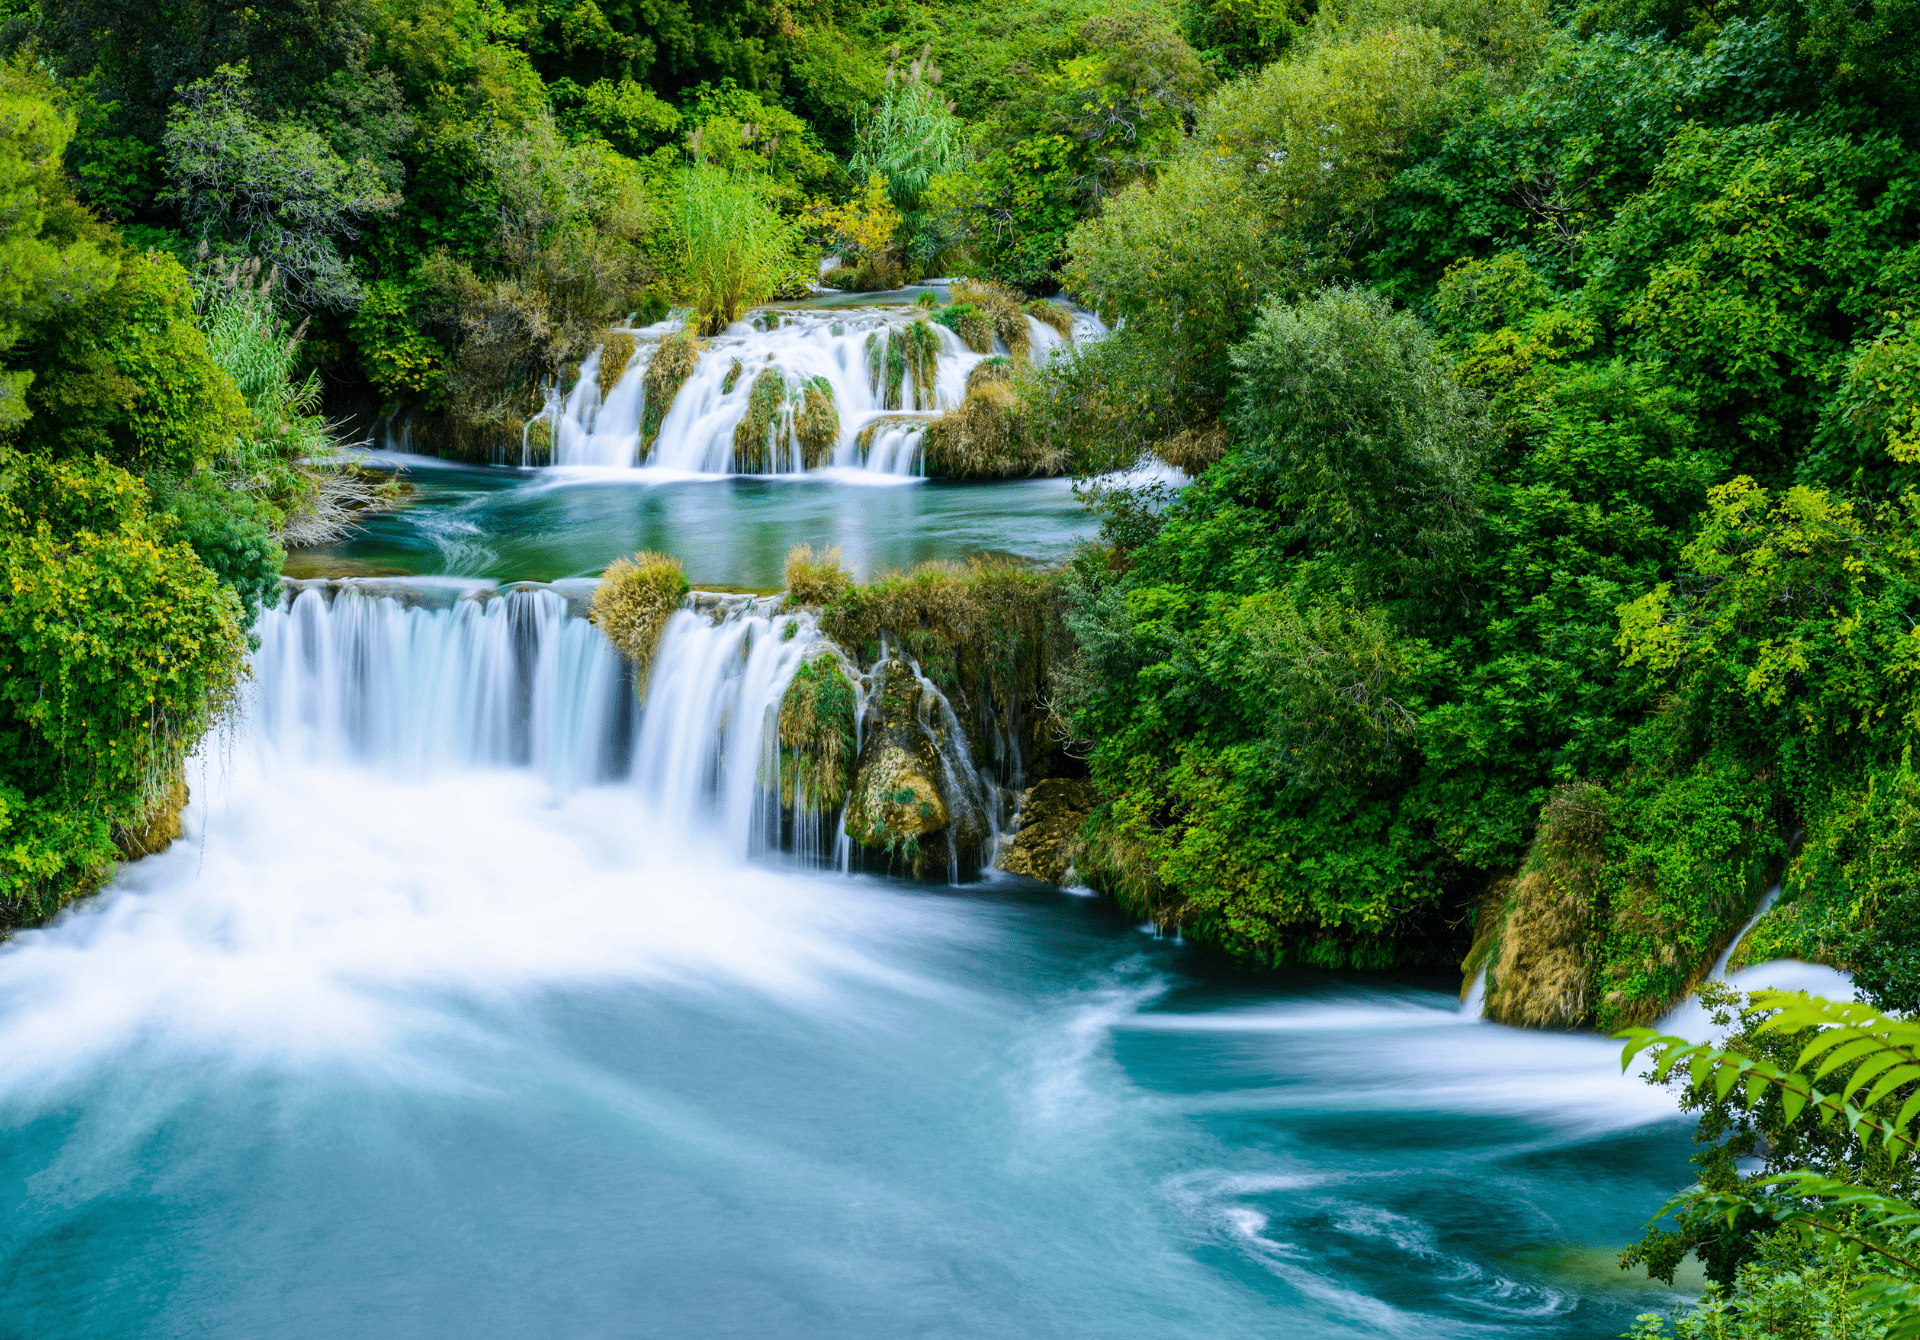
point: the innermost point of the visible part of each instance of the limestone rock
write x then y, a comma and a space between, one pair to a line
1050, 819
896, 805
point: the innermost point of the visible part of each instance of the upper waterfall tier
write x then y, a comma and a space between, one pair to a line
862, 365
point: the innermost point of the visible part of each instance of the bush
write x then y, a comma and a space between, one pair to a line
118, 649
633, 602
815, 577
733, 250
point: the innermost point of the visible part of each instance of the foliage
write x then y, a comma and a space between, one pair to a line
909, 137
635, 598
1824, 1094
49, 259
274, 189
815, 577
118, 648
865, 227
732, 250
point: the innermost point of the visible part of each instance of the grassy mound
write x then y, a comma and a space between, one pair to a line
673, 362
985, 437
817, 735
814, 576
974, 328
615, 354
1003, 310
779, 417
988, 632
903, 366
633, 602
1194, 449
1052, 314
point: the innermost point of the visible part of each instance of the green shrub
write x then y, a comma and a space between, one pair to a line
815, 577
118, 649
633, 602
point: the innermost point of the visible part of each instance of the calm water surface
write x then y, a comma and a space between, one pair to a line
542, 525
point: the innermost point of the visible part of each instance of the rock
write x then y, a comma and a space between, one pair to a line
898, 804
911, 795
1050, 819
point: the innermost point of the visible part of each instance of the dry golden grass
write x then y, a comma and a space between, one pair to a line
814, 576
633, 602
1052, 314
1194, 449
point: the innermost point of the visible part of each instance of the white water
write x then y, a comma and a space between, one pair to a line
457, 1012
697, 435
449, 679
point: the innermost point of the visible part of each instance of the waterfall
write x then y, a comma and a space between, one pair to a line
829, 348
418, 679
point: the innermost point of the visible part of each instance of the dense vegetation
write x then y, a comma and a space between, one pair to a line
1551, 567
1548, 374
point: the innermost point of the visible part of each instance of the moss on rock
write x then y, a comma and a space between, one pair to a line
896, 806
157, 829
615, 354
817, 735
1540, 970
673, 362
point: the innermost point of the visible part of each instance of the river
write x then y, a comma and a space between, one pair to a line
479, 1001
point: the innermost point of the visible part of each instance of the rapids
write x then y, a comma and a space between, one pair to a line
481, 999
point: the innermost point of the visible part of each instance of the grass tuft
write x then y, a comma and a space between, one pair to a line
633, 602
673, 362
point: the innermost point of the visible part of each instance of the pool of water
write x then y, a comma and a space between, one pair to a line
456, 1057
543, 525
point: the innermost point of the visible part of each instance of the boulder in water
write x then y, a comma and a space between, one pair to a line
1050, 820
898, 805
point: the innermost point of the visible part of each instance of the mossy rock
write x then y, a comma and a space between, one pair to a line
672, 363
898, 808
817, 734
155, 831
1051, 816
616, 352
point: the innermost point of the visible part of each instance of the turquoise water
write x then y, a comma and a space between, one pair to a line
542, 525
459, 1013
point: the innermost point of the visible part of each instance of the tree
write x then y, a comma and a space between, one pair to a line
274, 189
51, 257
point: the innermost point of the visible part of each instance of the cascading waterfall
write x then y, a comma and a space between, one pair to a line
830, 349
415, 680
